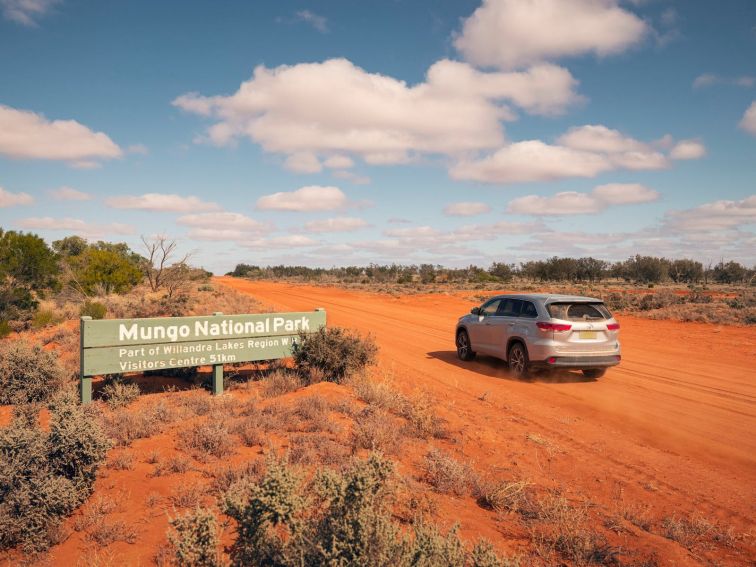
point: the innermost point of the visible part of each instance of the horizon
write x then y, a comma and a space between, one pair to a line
411, 133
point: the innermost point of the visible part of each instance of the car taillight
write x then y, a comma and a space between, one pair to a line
545, 326
612, 326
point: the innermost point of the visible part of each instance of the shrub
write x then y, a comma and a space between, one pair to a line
210, 438
93, 309
446, 474
28, 374
5, 329
374, 429
195, 539
45, 476
118, 393
333, 353
280, 381
44, 318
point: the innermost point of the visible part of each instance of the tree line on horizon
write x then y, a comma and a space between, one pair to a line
636, 269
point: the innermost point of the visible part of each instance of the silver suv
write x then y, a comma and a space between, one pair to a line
540, 332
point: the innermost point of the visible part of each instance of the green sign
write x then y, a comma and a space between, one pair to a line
135, 345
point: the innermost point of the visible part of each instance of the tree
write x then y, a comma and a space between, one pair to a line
160, 252
106, 271
70, 246
27, 259
686, 271
729, 273
501, 271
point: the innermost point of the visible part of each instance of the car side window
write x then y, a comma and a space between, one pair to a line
490, 308
509, 308
528, 310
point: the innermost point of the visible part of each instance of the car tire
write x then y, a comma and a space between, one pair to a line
594, 373
518, 361
464, 347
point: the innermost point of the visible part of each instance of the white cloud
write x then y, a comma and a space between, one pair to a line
748, 122
334, 108
352, 177
688, 149
303, 162
575, 203
8, 199
583, 151
710, 79
531, 160
339, 162
466, 209
714, 216
161, 202
292, 241
338, 224
310, 198
320, 23
27, 135
26, 12
65, 193
76, 226
511, 33
223, 226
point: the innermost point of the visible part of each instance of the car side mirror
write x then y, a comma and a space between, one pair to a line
475, 310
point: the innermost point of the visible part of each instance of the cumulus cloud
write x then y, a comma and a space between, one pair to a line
65, 193
688, 149
9, 199
310, 198
317, 111
27, 135
466, 209
26, 12
510, 33
338, 224
714, 216
531, 160
76, 226
161, 202
583, 151
748, 122
352, 177
575, 203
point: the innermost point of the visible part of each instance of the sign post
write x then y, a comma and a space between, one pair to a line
135, 345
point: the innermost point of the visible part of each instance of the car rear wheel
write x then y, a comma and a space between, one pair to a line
594, 373
464, 348
518, 360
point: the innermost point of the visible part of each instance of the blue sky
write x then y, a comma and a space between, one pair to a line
354, 132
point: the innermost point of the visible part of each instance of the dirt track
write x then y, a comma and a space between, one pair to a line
673, 427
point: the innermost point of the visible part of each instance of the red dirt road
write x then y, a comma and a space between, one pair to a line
672, 428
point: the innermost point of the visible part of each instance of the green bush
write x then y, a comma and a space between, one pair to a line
93, 309
45, 476
5, 329
28, 374
333, 354
44, 318
347, 520
195, 539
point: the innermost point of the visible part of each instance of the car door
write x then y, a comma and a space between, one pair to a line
499, 327
478, 327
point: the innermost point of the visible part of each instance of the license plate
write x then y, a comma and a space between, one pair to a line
587, 334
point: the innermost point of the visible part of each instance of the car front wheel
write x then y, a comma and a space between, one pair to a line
464, 348
518, 360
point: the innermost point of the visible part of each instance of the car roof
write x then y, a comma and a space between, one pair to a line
548, 297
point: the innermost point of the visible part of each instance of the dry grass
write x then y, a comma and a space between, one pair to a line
447, 475
697, 532
177, 464
189, 495
210, 438
316, 449
501, 495
94, 512
122, 461
105, 533
419, 411
225, 477
280, 381
376, 430
124, 426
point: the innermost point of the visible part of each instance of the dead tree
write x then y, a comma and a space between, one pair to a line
160, 252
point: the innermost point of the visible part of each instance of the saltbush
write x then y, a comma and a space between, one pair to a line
45, 476
118, 393
28, 374
333, 354
195, 539
93, 309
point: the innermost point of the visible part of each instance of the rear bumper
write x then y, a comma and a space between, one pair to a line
581, 362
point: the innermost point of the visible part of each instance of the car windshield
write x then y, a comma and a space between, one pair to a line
578, 311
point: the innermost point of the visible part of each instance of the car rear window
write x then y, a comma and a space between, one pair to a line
579, 311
